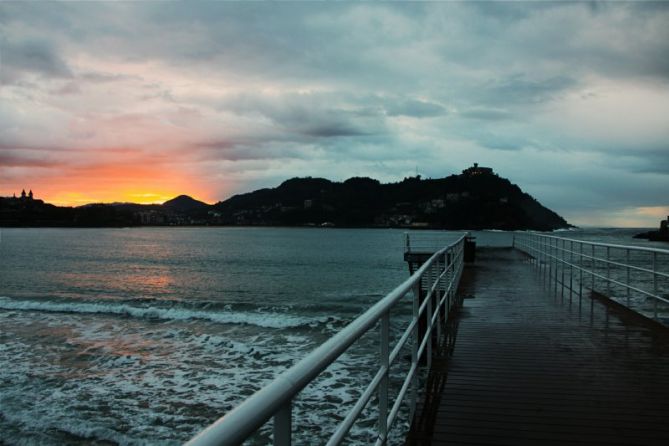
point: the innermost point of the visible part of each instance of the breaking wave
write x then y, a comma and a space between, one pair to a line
260, 319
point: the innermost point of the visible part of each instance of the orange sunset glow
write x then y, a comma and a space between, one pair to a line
143, 184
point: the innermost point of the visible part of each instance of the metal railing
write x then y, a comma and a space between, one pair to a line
429, 241
442, 272
636, 277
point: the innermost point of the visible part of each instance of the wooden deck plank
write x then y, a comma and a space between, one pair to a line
534, 367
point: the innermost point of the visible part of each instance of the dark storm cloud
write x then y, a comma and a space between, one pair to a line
651, 161
314, 114
16, 156
36, 56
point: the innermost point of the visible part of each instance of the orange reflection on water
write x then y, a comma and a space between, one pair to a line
155, 281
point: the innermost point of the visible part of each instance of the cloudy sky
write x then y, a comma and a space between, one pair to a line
140, 101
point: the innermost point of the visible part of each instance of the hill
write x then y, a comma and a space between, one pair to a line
186, 204
475, 199
28, 212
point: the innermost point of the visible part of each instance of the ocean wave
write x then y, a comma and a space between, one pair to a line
260, 319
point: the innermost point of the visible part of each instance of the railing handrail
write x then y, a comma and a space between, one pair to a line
605, 245
238, 424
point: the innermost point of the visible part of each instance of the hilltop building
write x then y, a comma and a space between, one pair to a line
476, 170
24, 196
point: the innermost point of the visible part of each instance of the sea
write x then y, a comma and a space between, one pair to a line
147, 335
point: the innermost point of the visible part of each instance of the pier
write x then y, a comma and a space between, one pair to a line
547, 341
531, 366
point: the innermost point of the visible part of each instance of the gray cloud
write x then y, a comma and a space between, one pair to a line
519, 89
316, 115
415, 108
486, 114
36, 56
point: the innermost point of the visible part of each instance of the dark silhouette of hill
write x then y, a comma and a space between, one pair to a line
186, 204
661, 235
26, 212
475, 199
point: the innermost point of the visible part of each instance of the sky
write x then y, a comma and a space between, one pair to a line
142, 101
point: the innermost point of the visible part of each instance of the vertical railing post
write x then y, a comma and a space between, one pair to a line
407, 243
414, 349
438, 294
282, 425
580, 275
556, 264
608, 271
449, 259
384, 352
540, 255
547, 258
562, 260
627, 282
550, 261
428, 329
450, 263
592, 274
571, 269
655, 285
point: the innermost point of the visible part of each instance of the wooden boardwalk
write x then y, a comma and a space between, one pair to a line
530, 367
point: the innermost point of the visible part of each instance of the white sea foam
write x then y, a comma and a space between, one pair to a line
267, 320
124, 383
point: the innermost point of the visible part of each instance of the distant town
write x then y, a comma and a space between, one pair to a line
475, 199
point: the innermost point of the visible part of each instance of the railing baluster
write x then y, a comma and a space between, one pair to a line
627, 283
437, 290
282, 425
428, 329
547, 258
414, 349
550, 261
592, 275
383, 386
571, 269
562, 260
555, 279
608, 271
580, 275
655, 285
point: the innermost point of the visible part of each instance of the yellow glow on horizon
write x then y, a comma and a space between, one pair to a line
79, 199
636, 217
659, 212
